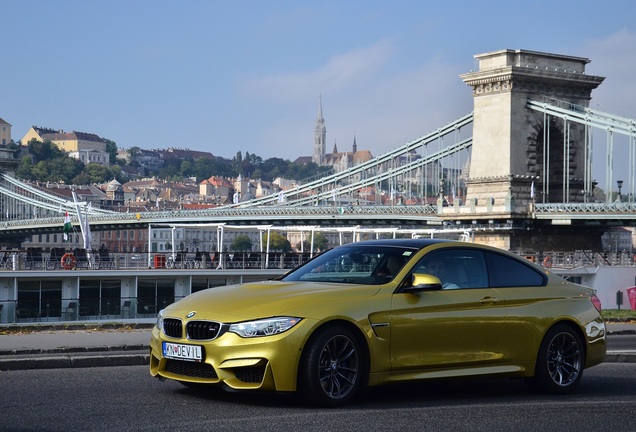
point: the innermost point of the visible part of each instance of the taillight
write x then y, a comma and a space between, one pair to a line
596, 302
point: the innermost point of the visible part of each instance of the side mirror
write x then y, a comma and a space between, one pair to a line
424, 282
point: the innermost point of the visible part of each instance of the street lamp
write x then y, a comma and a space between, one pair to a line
619, 183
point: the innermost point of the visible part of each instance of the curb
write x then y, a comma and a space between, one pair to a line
110, 358
69, 361
137, 355
89, 325
73, 350
130, 355
620, 357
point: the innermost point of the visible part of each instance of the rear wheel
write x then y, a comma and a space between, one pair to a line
560, 362
331, 368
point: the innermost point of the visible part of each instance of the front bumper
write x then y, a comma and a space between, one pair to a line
263, 363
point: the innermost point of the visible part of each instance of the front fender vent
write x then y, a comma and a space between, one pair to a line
252, 374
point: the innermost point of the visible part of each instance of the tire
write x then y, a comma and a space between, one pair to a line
560, 362
331, 368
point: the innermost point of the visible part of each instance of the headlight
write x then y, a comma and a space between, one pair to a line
264, 327
160, 320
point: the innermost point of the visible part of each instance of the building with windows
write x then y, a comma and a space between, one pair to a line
87, 156
5, 132
86, 147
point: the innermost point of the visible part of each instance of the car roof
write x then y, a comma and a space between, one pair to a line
418, 243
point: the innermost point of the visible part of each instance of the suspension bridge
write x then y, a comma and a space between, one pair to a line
442, 179
532, 168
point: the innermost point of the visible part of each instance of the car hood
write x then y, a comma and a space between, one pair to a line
265, 299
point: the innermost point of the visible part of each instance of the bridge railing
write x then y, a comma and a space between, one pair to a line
585, 208
34, 259
581, 258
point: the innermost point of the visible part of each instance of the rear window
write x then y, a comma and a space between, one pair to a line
509, 272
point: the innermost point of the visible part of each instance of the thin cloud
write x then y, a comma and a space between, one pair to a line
337, 73
384, 110
614, 57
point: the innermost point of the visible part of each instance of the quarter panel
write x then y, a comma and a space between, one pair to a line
533, 310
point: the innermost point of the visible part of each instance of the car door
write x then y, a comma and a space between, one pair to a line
448, 328
529, 302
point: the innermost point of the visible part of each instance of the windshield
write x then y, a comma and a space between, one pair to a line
356, 264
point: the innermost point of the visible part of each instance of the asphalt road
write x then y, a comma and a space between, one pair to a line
128, 399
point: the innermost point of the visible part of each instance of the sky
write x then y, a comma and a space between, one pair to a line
229, 76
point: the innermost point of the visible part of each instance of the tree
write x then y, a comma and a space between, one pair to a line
257, 174
320, 242
277, 241
111, 149
202, 168
186, 168
242, 242
63, 168
169, 171
96, 173
25, 168
134, 153
44, 150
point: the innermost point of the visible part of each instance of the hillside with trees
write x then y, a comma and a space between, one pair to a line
44, 161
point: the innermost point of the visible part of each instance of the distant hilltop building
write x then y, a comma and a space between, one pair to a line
340, 161
5, 132
86, 147
183, 153
8, 163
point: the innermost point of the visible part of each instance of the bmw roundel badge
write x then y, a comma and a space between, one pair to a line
191, 314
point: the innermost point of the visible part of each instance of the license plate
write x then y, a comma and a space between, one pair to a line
182, 352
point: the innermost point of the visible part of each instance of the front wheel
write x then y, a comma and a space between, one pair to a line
331, 369
560, 362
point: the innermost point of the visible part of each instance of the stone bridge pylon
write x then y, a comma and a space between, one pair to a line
514, 147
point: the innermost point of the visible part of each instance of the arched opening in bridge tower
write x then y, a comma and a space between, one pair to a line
553, 159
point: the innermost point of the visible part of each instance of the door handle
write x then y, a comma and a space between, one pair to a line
489, 300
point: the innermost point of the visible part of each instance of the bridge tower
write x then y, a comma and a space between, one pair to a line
512, 150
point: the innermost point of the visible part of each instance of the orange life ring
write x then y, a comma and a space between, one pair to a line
547, 262
68, 261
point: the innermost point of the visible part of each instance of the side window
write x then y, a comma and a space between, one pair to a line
509, 272
456, 268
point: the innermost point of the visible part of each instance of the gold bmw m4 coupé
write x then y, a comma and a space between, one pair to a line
381, 311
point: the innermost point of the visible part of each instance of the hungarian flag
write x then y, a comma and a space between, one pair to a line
67, 227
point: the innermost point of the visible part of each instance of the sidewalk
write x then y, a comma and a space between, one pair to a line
95, 344
90, 344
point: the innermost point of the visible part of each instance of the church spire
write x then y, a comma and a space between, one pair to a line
320, 109
355, 146
320, 137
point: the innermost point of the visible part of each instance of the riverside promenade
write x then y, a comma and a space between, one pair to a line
65, 345
102, 344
